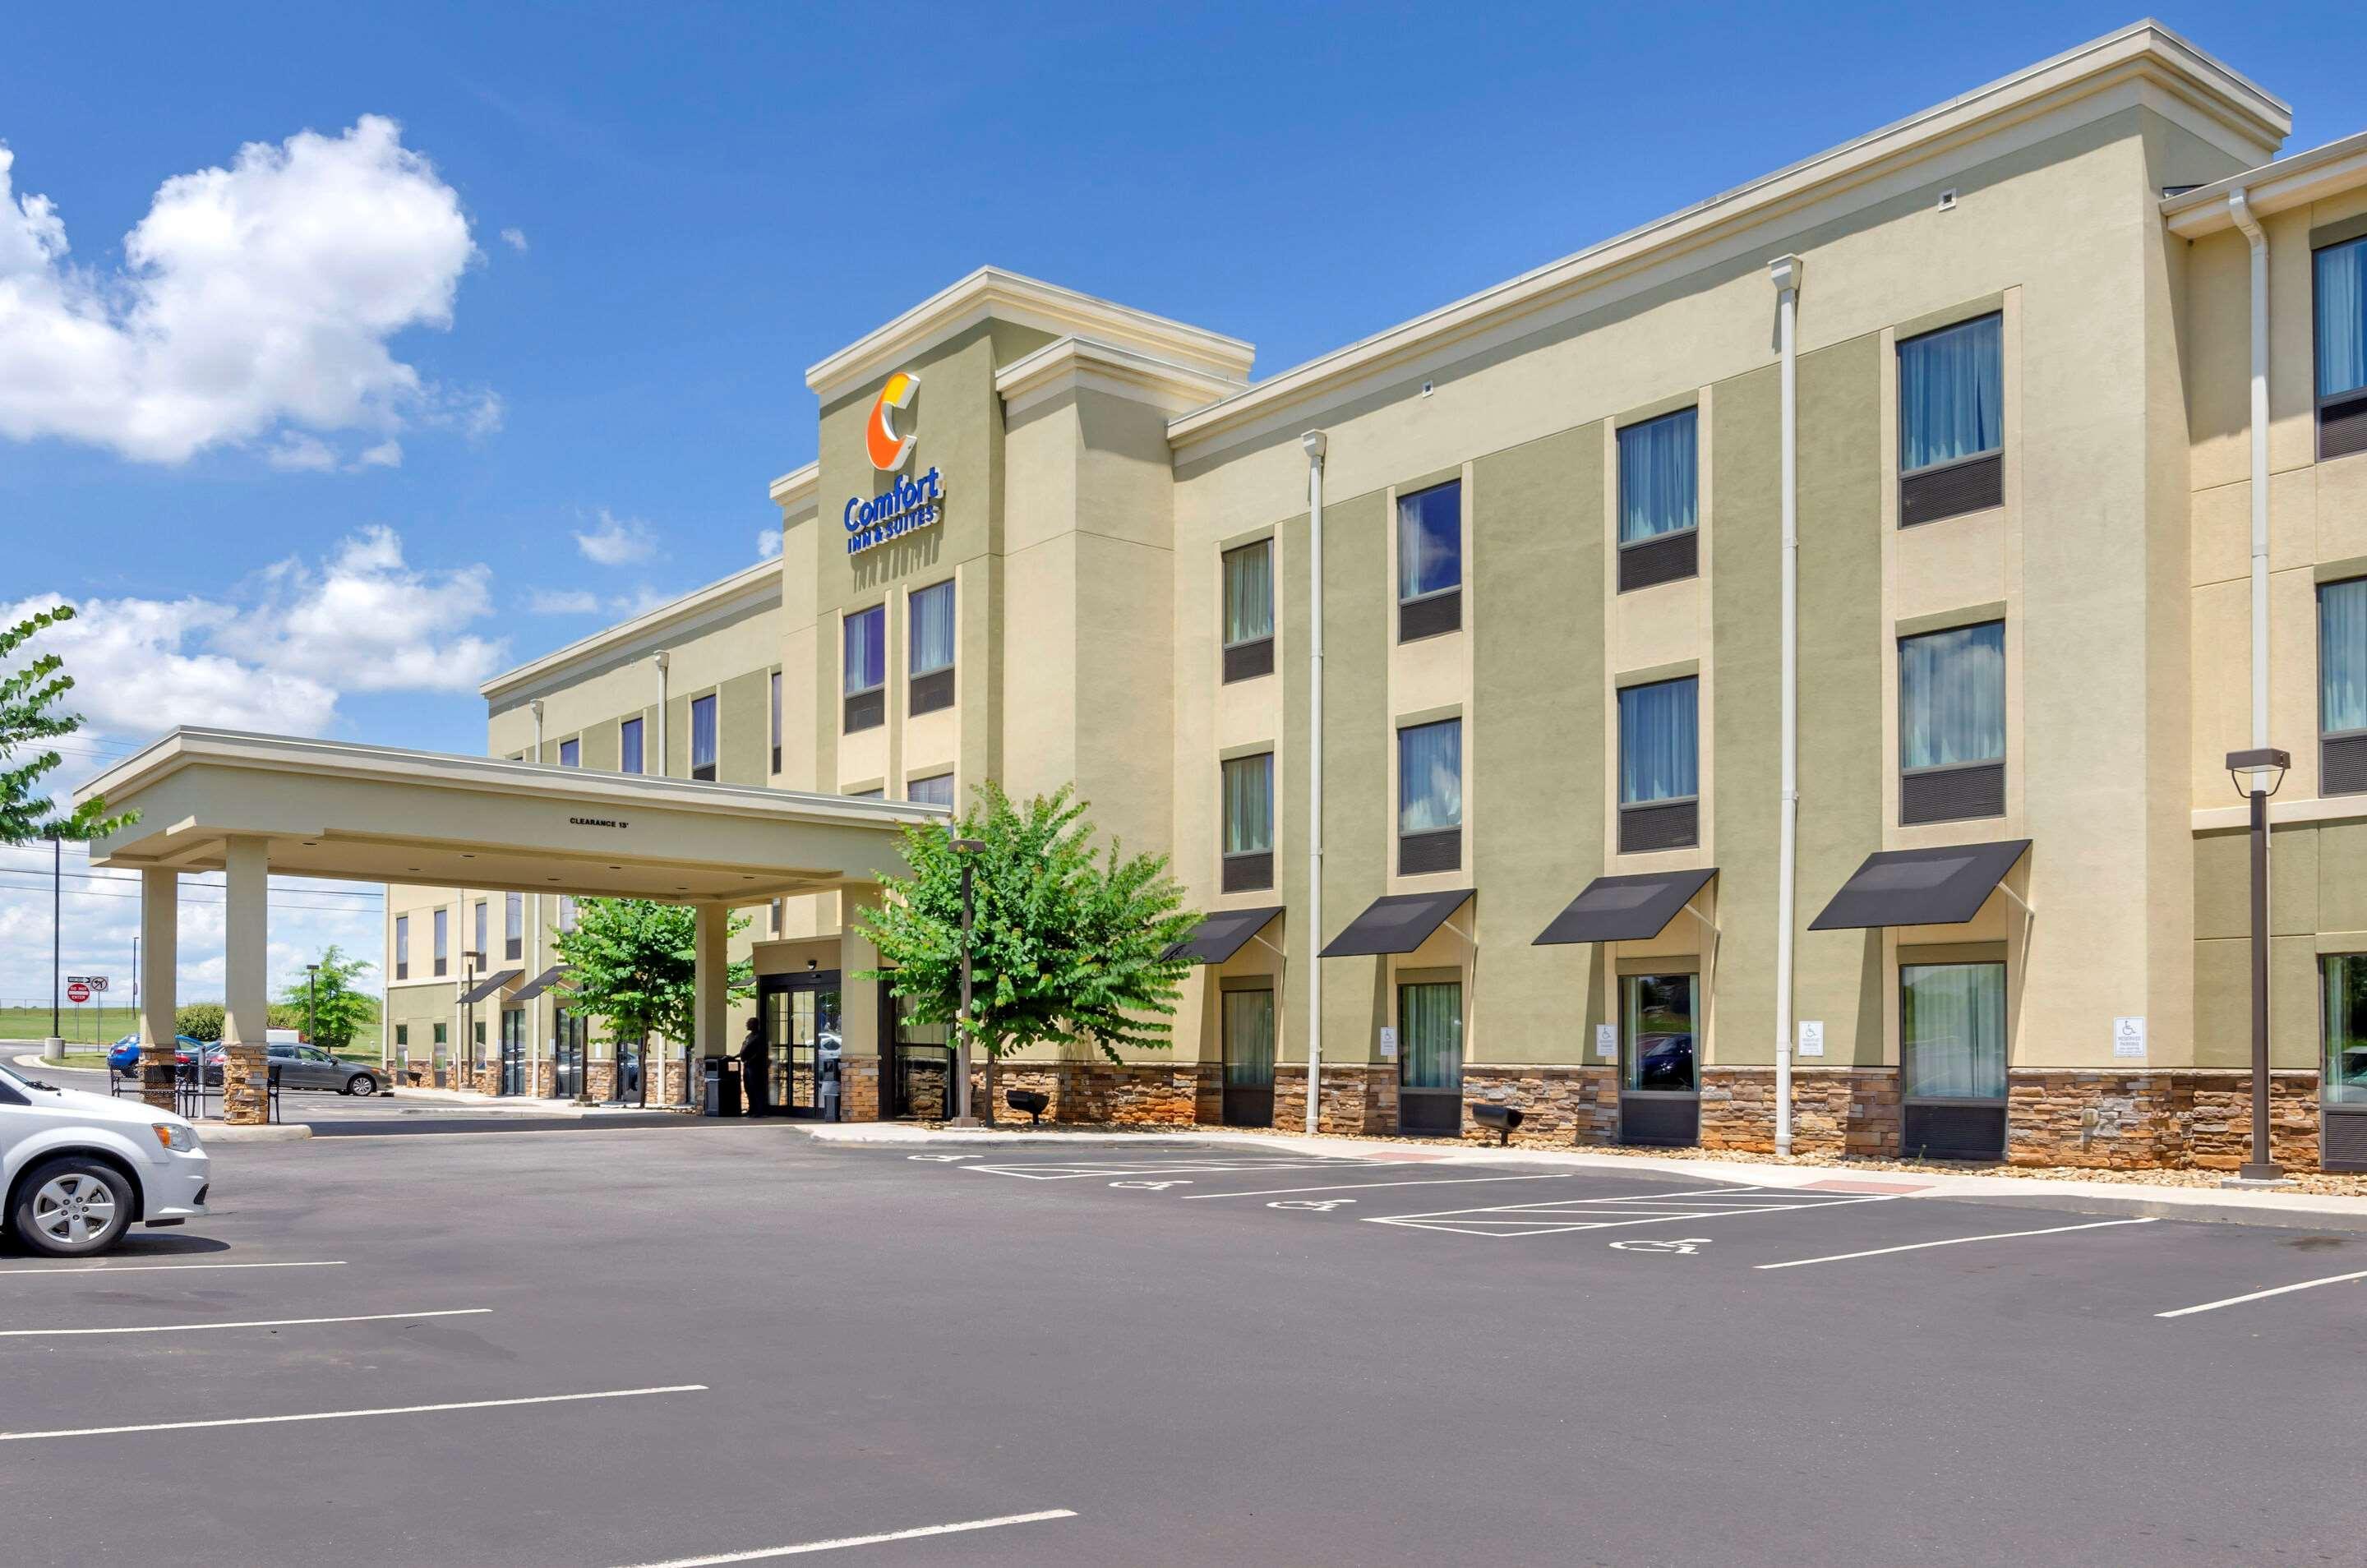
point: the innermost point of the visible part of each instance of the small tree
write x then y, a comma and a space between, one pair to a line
1069, 941
200, 1021
633, 963
29, 697
338, 1010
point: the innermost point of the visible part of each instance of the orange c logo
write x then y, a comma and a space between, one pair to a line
886, 448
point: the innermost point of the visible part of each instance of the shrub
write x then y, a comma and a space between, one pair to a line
200, 1021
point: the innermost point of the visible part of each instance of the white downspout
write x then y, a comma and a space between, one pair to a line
1315, 444
534, 937
662, 661
1783, 272
2240, 210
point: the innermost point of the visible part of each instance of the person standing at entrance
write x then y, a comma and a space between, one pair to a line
756, 1067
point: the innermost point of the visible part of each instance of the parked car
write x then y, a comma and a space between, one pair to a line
125, 1056
79, 1171
309, 1066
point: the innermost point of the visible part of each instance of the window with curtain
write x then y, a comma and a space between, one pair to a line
1249, 1038
2342, 318
571, 753
933, 630
1658, 473
513, 925
775, 726
443, 937
1952, 1031
566, 913
865, 669
1951, 697
1249, 803
1658, 1013
2342, 657
484, 928
403, 947
702, 737
2345, 1081
938, 789
1952, 394
1429, 1034
1430, 540
1658, 741
1430, 776
1249, 593
629, 746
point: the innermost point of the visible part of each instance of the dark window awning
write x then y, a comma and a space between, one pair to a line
1398, 924
1624, 909
1222, 935
537, 985
1921, 887
489, 985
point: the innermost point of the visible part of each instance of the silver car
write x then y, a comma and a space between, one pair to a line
309, 1066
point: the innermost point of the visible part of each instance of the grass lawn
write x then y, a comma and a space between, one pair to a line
91, 1025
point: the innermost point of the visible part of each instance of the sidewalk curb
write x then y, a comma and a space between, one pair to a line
273, 1133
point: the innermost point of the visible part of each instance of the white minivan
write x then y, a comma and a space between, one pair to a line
79, 1171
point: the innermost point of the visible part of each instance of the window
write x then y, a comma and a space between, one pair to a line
1952, 1031
403, 1037
2344, 975
1430, 562
1249, 822
1656, 1042
1430, 1057
1249, 611
2342, 687
1951, 724
865, 669
776, 915
2342, 285
1430, 797
932, 648
702, 737
513, 925
776, 721
571, 753
566, 912
1660, 787
485, 929
938, 789
1951, 420
441, 1041
443, 928
403, 947
1659, 500
629, 746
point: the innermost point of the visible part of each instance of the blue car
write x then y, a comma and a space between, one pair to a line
125, 1056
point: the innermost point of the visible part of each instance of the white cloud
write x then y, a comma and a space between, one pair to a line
768, 543
515, 239
617, 541
385, 454
369, 622
562, 602
253, 299
296, 451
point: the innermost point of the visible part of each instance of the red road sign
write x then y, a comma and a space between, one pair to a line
77, 992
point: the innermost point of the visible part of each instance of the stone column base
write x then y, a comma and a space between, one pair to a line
858, 1088
247, 1086
156, 1090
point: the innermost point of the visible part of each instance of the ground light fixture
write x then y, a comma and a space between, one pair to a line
1504, 1118
967, 850
2258, 763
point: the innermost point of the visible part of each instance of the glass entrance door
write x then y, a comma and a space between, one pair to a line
1248, 1025
922, 1084
2343, 1085
1430, 1059
1951, 1060
1660, 1070
514, 1050
801, 1028
568, 1035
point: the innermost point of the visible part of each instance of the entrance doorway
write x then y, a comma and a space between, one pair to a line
514, 1051
1247, 1025
1430, 1059
800, 1013
629, 1084
1659, 1070
568, 1032
2342, 1083
921, 1078
1951, 1060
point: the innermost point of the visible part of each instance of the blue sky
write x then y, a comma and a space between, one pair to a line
609, 239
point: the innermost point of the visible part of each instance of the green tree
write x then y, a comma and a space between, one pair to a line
1069, 941
633, 963
29, 693
200, 1021
339, 1012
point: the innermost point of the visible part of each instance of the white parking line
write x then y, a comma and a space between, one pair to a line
2263, 1295
1951, 1241
1353, 1186
846, 1541
1601, 1213
169, 1268
349, 1415
256, 1322
1071, 1172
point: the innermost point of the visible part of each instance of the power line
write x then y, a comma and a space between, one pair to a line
134, 882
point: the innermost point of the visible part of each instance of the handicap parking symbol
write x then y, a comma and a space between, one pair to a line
1690, 1245
1320, 1205
940, 1159
1151, 1186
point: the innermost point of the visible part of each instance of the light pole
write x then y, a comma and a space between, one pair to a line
2259, 762
470, 958
966, 851
312, 983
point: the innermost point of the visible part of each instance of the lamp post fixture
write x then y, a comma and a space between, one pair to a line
469, 959
2260, 762
967, 850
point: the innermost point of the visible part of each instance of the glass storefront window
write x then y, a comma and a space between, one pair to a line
1952, 1031
1429, 1034
1248, 1039
2346, 1029
1658, 1012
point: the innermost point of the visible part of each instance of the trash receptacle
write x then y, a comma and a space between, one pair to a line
721, 1082
830, 1089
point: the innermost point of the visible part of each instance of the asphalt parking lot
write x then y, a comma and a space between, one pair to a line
622, 1345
